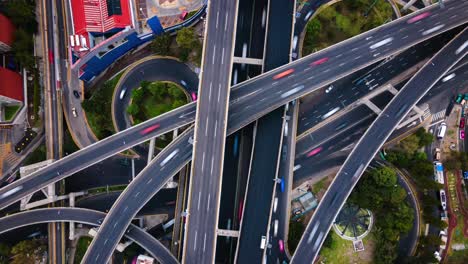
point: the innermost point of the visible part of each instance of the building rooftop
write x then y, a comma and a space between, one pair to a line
11, 84
7, 30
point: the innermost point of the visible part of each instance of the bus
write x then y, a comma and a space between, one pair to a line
441, 132
439, 172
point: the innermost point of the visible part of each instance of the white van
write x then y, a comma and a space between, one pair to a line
441, 131
263, 242
275, 228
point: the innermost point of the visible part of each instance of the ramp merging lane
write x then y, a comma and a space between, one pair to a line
257, 96
370, 143
89, 217
210, 133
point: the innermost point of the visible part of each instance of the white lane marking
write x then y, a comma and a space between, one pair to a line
222, 57
204, 243
214, 53
212, 162
195, 244
125, 209
216, 126
405, 37
199, 198
206, 128
354, 49
149, 181
225, 25
105, 242
327, 70
461, 48
209, 96
208, 207
136, 194
341, 64
217, 19
186, 114
97, 257
115, 224
313, 232
358, 57
339, 55
203, 161
432, 30
219, 93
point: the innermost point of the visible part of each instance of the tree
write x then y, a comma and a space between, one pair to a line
384, 176
138, 94
133, 109
296, 229
4, 253
186, 38
424, 137
161, 44
410, 144
22, 14
28, 251
23, 48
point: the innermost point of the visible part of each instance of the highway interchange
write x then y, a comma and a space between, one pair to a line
257, 97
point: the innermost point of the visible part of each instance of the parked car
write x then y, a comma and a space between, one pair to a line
462, 122
74, 112
462, 134
76, 94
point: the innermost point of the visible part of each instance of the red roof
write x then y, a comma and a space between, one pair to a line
92, 16
6, 30
11, 84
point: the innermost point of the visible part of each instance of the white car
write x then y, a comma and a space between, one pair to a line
329, 88
74, 112
122, 93
275, 228
275, 204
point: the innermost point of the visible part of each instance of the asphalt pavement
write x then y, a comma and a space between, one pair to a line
210, 133
371, 142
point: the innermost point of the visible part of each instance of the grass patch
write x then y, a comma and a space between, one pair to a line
38, 155
113, 188
81, 247
319, 185
344, 20
10, 111
336, 250
458, 237
458, 257
99, 109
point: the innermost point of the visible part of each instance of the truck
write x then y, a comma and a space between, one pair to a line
439, 172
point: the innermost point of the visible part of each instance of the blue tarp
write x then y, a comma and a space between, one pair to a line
155, 25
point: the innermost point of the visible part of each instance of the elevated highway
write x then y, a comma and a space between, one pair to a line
85, 216
370, 143
259, 95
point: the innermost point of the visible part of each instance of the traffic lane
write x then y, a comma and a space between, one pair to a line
186, 116
372, 140
339, 125
137, 194
211, 117
257, 30
244, 25
85, 216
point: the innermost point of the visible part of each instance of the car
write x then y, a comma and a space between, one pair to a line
314, 152
462, 123
448, 77
194, 96
283, 74
149, 129
184, 14
381, 43
275, 228
443, 199
318, 62
282, 184
418, 17
459, 98
263, 242
122, 93
462, 134
275, 204
329, 88
295, 42
183, 83
281, 245
437, 153
76, 94
296, 167
169, 157
74, 112
308, 15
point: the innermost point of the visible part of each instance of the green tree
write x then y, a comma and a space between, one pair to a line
410, 144
186, 38
296, 229
138, 94
145, 84
28, 251
22, 14
23, 48
133, 109
424, 137
161, 44
384, 176
4, 253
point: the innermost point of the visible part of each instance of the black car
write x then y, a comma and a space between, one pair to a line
76, 94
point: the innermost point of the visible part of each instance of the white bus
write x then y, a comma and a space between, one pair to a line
441, 131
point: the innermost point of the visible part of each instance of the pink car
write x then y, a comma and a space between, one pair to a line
314, 152
194, 96
462, 134
281, 245
418, 17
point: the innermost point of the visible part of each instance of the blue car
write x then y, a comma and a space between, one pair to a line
282, 184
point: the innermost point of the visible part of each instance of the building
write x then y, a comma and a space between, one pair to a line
11, 87
7, 31
96, 18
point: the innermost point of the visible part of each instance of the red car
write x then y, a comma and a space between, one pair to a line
183, 15
314, 152
462, 134
283, 74
318, 62
462, 123
149, 129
